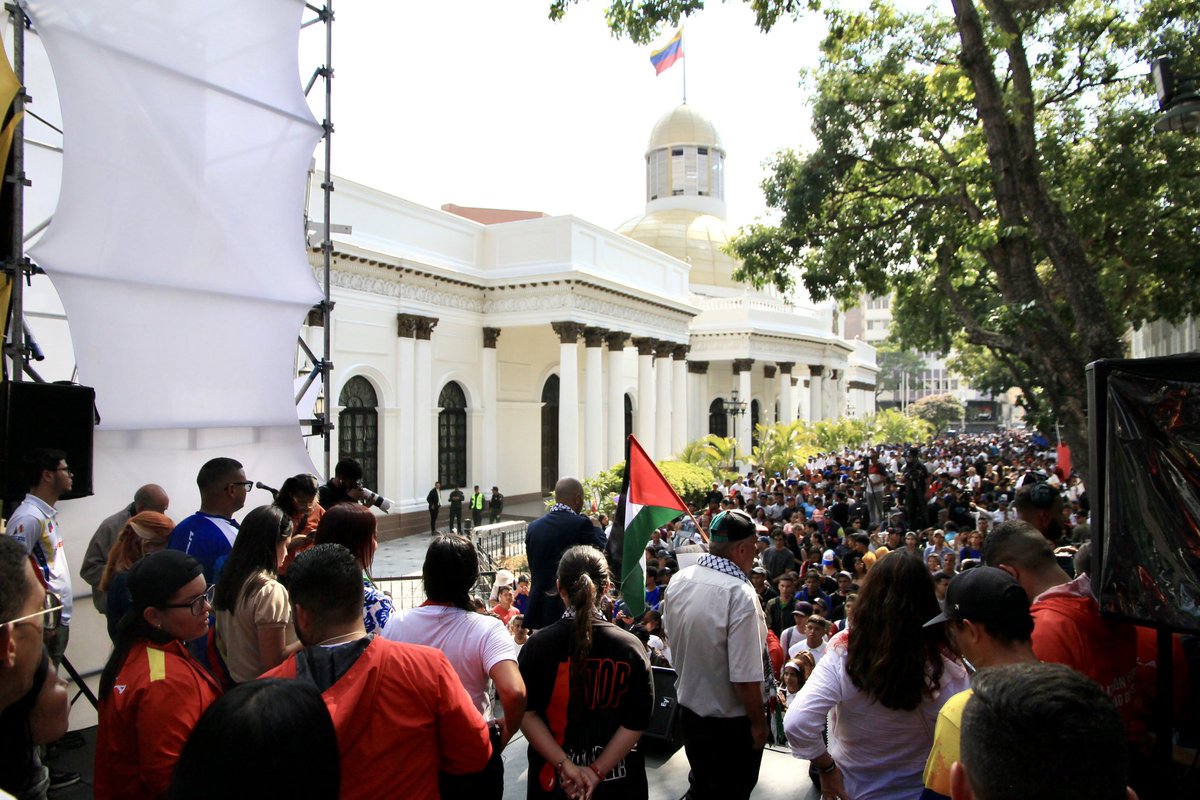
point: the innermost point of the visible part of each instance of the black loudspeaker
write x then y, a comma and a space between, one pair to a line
1144, 421
664, 722
57, 415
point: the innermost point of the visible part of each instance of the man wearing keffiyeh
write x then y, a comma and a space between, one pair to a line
718, 639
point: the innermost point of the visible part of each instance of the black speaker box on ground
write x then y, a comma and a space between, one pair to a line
1144, 420
56, 415
664, 726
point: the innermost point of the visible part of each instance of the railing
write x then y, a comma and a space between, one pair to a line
409, 592
500, 541
494, 543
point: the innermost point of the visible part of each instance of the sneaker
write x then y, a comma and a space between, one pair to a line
60, 779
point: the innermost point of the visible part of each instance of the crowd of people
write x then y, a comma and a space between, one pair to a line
888, 615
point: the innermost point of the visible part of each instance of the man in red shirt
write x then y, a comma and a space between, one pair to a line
1067, 626
400, 712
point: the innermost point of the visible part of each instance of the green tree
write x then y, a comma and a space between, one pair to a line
939, 410
895, 366
690, 481
894, 427
782, 443
996, 168
717, 454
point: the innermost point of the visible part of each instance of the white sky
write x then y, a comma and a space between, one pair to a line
489, 103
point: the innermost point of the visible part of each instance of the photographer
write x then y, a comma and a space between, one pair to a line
346, 487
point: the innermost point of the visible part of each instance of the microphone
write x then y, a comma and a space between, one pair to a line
261, 485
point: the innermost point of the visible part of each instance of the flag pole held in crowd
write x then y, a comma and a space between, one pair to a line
647, 502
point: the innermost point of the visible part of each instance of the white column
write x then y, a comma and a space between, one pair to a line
593, 402
702, 390
743, 368
787, 401
425, 430
488, 473
645, 411
679, 398
568, 397
662, 401
816, 392
616, 397
406, 379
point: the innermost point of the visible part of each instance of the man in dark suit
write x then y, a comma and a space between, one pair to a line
548, 538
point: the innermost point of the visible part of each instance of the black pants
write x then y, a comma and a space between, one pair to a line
722, 755
433, 515
455, 523
476, 517
487, 784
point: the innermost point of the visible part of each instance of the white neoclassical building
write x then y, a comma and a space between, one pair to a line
479, 346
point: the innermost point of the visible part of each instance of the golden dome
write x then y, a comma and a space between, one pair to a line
690, 236
684, 125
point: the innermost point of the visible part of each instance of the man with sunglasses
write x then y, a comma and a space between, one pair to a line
34, 525
718, 638
208, 535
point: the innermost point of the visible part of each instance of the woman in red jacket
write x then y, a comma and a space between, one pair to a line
152, 691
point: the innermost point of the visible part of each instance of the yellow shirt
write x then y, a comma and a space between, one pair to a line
946, 739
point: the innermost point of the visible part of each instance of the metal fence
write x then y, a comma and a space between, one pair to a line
500, 541
495, 544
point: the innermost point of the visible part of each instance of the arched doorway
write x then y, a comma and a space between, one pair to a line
452, 436
718, 419
358, 427
550, 434
755, 419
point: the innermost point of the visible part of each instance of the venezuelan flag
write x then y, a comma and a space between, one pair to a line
667, 55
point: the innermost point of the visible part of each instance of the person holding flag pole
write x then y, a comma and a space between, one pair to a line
647, 502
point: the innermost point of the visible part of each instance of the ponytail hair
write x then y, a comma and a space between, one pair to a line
583, 575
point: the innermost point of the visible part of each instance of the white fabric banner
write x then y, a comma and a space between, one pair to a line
177, 244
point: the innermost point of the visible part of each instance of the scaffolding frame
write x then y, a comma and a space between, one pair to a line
20, 347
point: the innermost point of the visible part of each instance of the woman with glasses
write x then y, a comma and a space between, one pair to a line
353, 527
146, 532
254, 618
152, 691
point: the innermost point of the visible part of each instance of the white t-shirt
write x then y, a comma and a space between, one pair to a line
473, 643
802, 646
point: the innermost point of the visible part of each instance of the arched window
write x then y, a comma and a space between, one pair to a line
718, 419
452, 436
358, 427
755, 419
628, 417
550, 434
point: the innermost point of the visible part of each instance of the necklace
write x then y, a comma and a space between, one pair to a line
345, 637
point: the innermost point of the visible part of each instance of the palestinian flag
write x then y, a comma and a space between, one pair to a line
647, 502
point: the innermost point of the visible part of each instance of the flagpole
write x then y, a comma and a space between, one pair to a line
684, 66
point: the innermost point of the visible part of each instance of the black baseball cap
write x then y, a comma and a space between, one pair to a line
983, 594
731, 526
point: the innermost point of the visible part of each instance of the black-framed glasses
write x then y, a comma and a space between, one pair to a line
67, 470
198, 604
247, 485
51, 615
